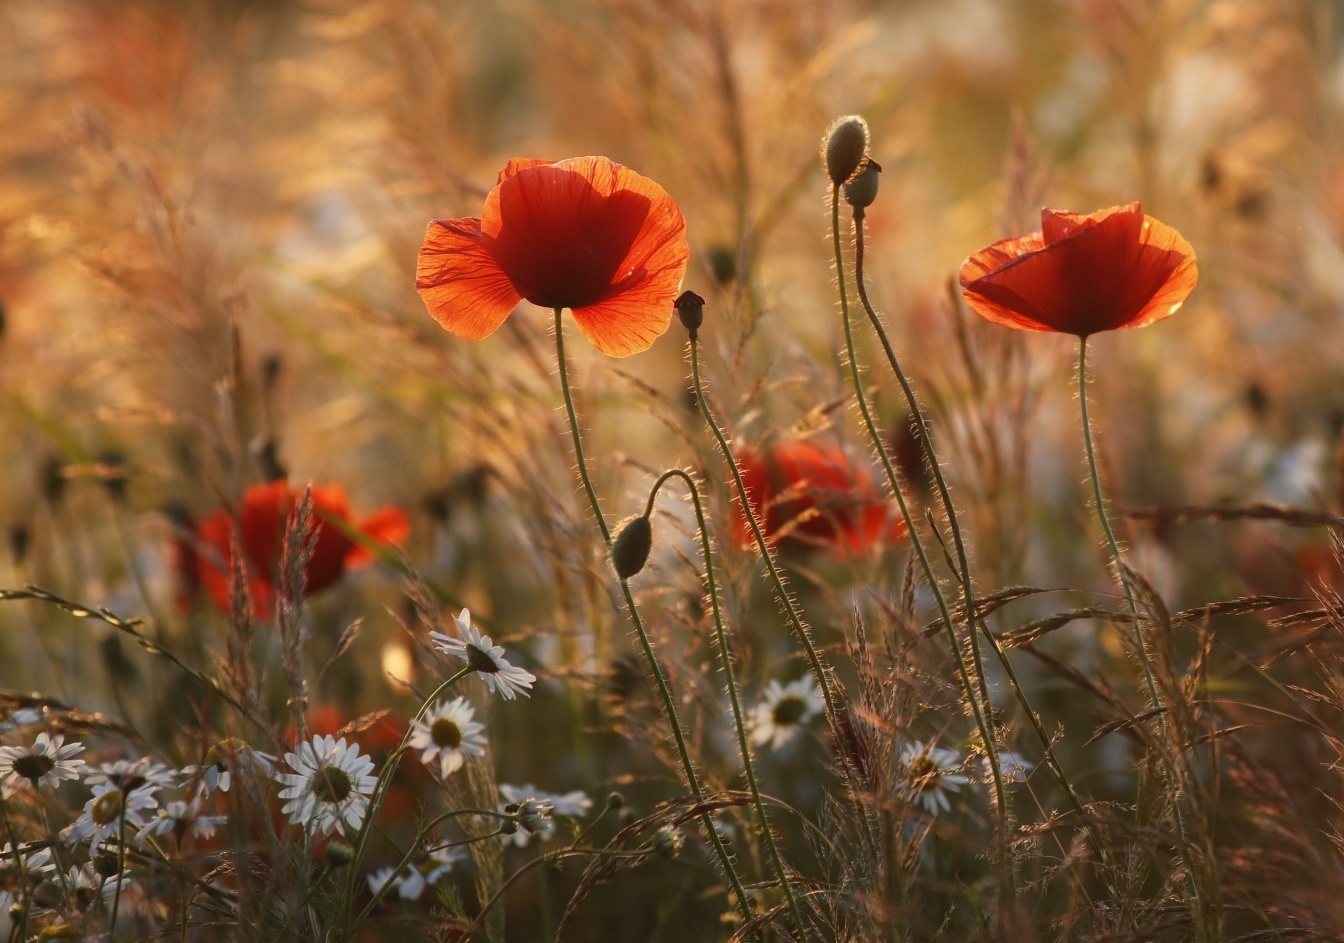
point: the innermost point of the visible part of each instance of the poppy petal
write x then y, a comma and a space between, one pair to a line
1083, 274
388, 525
585, 233
516, 164
462, 285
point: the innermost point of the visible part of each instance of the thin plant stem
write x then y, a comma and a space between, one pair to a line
950, 510
655, 668
726, 656
820, 670
975, 688
1145, 660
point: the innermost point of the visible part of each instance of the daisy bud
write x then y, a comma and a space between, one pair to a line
862, 190
533, 814
339, 853
844, 148
668, 841
691, 309
615, 801
630, 550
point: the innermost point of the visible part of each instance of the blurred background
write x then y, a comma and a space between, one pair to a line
209, 218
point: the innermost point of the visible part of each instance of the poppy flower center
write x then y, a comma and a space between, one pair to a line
788, 712
446, 734
332, 784
34, 766
561, 242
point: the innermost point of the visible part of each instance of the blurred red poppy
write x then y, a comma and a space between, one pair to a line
1083, 274
584, 234
260, 526
807, 495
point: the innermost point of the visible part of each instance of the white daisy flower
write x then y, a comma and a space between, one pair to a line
485, 658
784, 710
48, 761
330, 786
109, 813
35, 865
411, 884
930, 774
538, 819
446, 735
444, 860
220, 762
184, 818
130, 775
22, 717
379, 878
89, 885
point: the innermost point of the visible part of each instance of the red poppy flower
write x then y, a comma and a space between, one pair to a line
1083, 274
809, 495
260, 526
584, 234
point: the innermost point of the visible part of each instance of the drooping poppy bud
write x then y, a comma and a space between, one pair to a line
630, 550
862, 190
844, 148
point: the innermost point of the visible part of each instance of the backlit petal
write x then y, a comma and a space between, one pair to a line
462, 285
388, 525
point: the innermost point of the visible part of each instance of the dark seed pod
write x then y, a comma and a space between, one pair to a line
691, 309
630, 551
862, 190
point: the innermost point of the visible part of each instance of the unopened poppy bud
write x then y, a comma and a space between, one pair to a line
630, 550
691, 309
862, 190
668, 841
844, 148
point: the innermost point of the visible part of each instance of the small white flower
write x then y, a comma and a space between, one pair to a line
380, 878
182, 817
411, 884
445, 860
34, 865
446, 735
110, 813
485, 658
930, 774
330, 786
48, 761
784, 710
220, 762
541, 821
130, 775
89, 885
22, 717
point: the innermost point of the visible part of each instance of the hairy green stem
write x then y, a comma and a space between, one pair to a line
975, 689
664, 691
726, 656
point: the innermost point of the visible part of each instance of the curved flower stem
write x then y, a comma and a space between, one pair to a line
976, 690
820, 670
950, 510
726, 655
1145, 660
664, 692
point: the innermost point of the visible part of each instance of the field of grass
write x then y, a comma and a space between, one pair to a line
376, 554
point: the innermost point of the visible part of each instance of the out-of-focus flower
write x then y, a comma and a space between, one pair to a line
784, 710
485, 658
442, 862
220, 762
1082, 274
205, 560
539, 818
446, 735
46, 763
809, 495
132, 774
110, 813
409, 884
585, 234
184, 818
330, 786
930, 775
